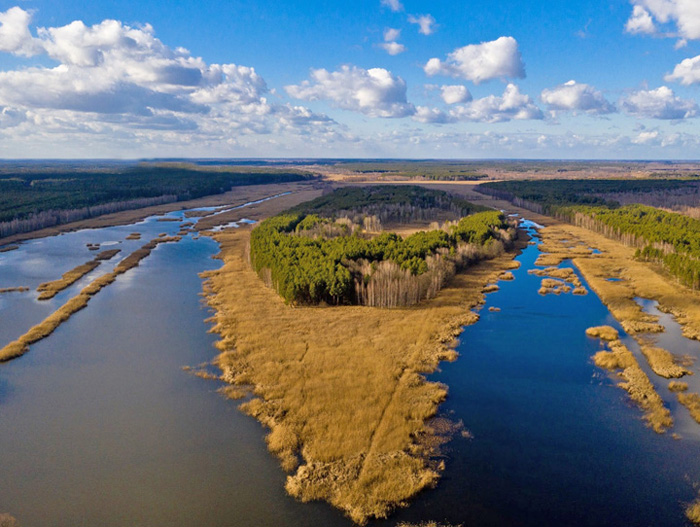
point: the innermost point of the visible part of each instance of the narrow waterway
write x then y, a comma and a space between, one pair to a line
101, 426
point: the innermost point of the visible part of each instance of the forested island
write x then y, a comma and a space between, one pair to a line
334, 250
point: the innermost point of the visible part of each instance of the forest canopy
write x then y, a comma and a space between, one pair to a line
312, 254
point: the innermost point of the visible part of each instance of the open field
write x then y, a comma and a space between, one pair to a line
342, 389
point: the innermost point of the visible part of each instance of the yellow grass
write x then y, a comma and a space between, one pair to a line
692, 512
342, 389
692, 402
20, 289
49, 290
48, 325
506, 276
7, 520
603, 333
677, 386
134, 236
661, 361
490, 288
636, 383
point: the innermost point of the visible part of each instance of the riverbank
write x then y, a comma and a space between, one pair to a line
341, 389
236, 196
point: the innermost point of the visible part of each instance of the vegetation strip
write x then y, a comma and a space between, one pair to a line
48, 325
636, 383
48, 290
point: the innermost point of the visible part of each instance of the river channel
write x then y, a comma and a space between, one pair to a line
101, 426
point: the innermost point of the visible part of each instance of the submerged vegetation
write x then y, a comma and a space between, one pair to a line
310, 258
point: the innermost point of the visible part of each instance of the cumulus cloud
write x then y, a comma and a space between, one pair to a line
576, 97
661, 103
391, 34
684, 13
394, 5
640, 22
392, 48
426, 23
375, 92
112, 76
512, 105
454, 94
481, 62
687, 72
424, 114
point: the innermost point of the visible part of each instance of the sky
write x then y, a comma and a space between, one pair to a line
550, 79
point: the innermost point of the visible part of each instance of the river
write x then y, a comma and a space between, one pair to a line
101, 426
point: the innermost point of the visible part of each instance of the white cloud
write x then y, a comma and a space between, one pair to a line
661, 103
394, 5
111, 77
576, 97
426, 23
15, 36
392, 48
391, 34
512, 105
687, 72
425, 114
640, 22
684, 13
454, 94
375, 92
481, 62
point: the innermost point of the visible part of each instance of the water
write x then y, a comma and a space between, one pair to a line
554, 441
101, 426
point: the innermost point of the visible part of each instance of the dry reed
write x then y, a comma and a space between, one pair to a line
49, 290
603, 333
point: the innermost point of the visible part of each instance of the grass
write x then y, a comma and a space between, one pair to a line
342, 389
8, 521
662, 362
692, 402
490, 288
603, 333
42, 330
692, 512
9, 248
636, 383
677, 386
48, 290
20, 289
507, 276
134, 236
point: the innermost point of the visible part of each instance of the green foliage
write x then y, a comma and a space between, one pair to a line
432, 170
311, 270
385, 198
671, 239
25, 193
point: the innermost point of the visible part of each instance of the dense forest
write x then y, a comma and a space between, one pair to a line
430, 170
312, 255
34, 199
668, 238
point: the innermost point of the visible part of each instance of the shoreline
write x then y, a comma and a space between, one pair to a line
233, 197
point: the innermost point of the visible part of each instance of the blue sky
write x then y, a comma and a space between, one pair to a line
376, 78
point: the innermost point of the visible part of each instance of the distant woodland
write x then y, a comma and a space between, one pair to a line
333, 249
31, 200
661, 236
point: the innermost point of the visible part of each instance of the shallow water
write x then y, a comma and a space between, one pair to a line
99, 424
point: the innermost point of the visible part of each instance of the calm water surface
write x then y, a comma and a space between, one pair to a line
100, 426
